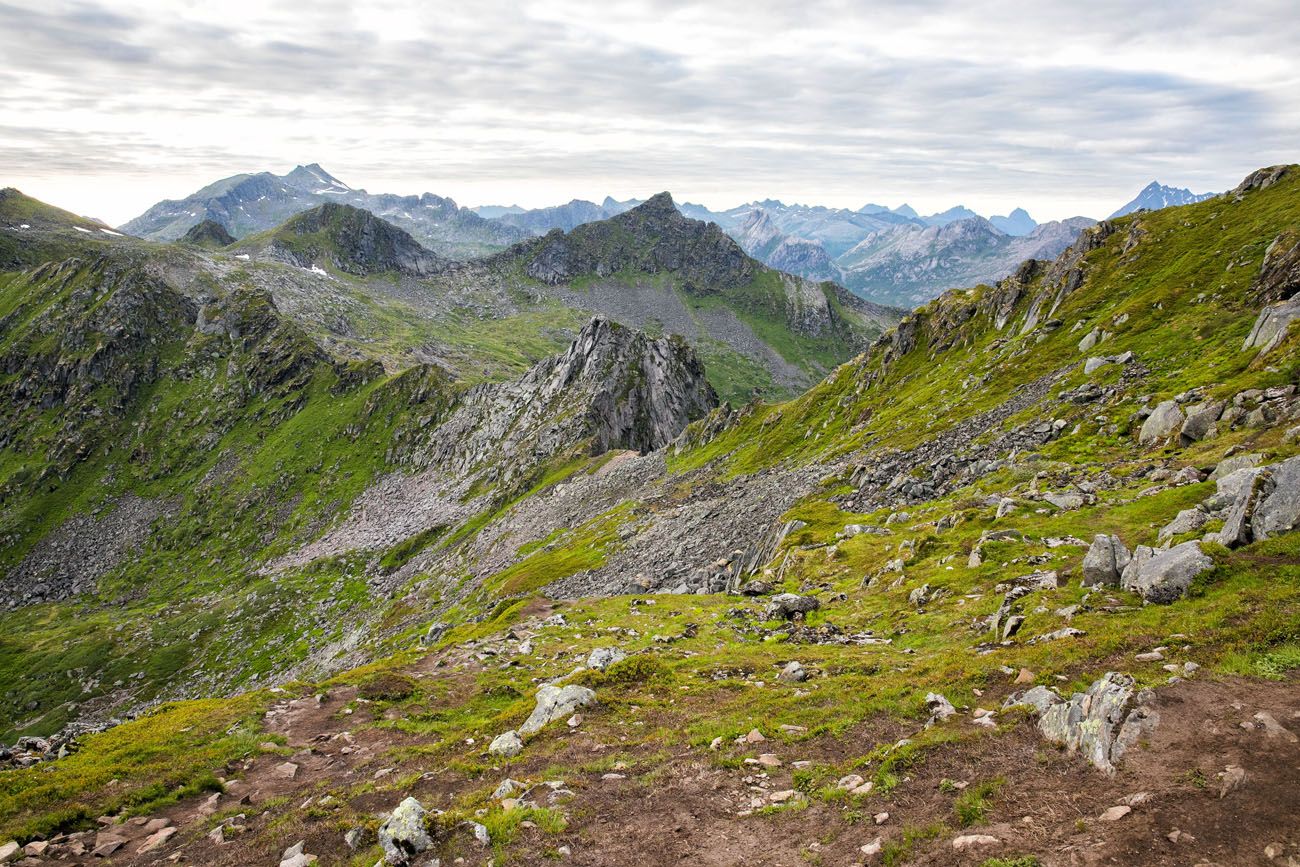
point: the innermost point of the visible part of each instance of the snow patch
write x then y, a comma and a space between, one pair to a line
87, 231
243, 256
24, 226
316, 269
111, 232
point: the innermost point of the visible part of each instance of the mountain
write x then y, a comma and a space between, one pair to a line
348, 239
1017, 223
210, 234
1034, 551
492, 212
910, 264
541, 220
1156, 195
249, 204
952, 215
762, 240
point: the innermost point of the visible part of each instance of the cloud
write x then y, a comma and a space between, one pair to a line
829, 100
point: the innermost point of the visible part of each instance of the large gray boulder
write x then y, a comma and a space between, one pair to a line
784, 606
1163, 576
1102, 723
1200, 418
403, 834
555, 702
1105, 561
1166, 418
1245, 488
1272, 324
1279, 506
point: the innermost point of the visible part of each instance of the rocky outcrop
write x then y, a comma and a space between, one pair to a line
612, 388
1279, 275
1166, 418
354, 241
1256, 502
1272, 325
1100, 724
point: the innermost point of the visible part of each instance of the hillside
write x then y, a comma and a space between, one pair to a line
1017, 584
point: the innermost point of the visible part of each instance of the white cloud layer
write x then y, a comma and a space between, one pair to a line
1060, 107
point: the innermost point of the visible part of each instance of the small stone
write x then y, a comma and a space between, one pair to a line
754, 737
873, 848
769, 760
156, 839
1151, 656
1114, 814
782, 796
287, 770
9, 851
716, 743
1025, 676
507, 745
1231, 779
880, 818
974, 841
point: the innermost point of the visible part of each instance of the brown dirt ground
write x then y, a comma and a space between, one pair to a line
682, 809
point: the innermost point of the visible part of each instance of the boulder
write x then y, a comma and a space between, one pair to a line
603, 657
1279, 506
1065, 502
554, 702
1164, 576
507, 745
1186, 521
1105, 561
1040, 698
793, 672
1166, 418
1272, 325
403, 835
1200, 418
785, 606
1246, 487
1102, 723
1230, 465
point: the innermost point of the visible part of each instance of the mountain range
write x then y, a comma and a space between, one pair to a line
879, 253
618, 546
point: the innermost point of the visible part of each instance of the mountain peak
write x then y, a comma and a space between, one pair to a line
352, 240
1156, 195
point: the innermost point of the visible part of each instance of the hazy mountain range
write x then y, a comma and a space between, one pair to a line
890, 255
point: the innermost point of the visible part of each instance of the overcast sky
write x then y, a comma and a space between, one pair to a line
1064, 108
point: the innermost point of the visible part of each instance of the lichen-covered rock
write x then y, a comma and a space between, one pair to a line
1272, 325
554, 702
603, 657
1102, 723
1105, 561
507, 745
403, 834
1163, 576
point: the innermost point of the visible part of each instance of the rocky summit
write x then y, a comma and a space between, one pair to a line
329, 541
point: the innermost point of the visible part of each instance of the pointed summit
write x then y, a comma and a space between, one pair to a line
1156, 195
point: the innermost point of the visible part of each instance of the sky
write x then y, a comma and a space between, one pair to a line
1062, 108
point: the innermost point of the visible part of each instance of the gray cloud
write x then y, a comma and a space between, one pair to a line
830, 100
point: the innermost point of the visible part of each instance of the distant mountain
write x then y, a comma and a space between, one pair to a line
952, 215
491, 212
761, 239
248, 204
909, 265
1156, 195
1018, 222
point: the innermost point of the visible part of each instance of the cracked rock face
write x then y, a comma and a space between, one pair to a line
1164, 576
